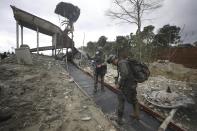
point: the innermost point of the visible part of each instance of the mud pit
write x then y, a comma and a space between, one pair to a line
43, 97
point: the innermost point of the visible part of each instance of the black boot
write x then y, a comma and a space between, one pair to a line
119, 118
102, 83
95, 89
102, 88
136, 111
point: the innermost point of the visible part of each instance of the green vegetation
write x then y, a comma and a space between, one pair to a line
149, 42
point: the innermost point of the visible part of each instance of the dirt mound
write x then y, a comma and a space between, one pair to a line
173, 71
41, 97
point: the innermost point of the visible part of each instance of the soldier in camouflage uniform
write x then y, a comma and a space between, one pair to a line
100, 68
127, 86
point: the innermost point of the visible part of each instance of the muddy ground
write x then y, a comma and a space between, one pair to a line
178, 78
42, 97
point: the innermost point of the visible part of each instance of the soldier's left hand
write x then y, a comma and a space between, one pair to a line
98, 66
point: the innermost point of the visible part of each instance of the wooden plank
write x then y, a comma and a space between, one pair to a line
42, 48
166, 122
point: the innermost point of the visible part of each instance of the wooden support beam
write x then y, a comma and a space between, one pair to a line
21, 35
42, 48
54, 42
165, 123
37, 40
72, 44
55, 50
67, 59
52, 52
17, 35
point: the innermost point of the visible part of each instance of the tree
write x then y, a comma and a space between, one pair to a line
147, 35
91, 47
108, 48
121, 44
167, 35
102, 41
132, 11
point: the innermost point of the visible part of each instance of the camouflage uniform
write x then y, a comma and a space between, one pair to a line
99, 71
127, 86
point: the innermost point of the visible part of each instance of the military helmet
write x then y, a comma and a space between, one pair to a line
111, 58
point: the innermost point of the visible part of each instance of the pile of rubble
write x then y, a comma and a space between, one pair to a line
182, 92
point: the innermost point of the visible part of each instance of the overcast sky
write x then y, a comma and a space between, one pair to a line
92, 21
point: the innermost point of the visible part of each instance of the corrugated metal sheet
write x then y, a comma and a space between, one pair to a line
33, 22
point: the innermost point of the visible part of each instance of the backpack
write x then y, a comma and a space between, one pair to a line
140, 70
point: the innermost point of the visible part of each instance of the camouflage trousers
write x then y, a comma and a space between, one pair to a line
96, 76
126, 94
99, 72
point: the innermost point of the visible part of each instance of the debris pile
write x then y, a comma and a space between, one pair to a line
187, 96
165, 99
